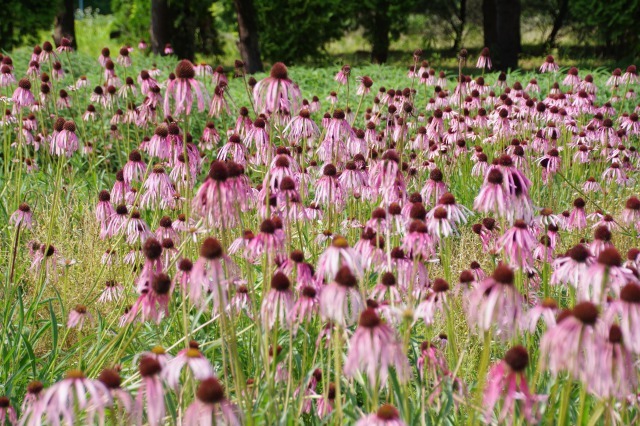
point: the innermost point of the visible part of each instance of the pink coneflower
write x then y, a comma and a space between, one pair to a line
337, 256
276, 92
199, 366
591, 185
211, 407
302, 127
78, 316
418, 242
104, 208
631, 212
150, 399
111, 379
518, 243
572, 344
234, 150
627, 309
374, 349
343, 75
212, 275
23, 217
153, 302
30, 404
75, 392
158, 189
214, 199
365, 85
572, 268
438, 223
65, 45
277, 303
270, 241
6, 77
340, 300
434, 302
112, 292
218, 104
549, 65
305, 307
434, 188
601, 240
606, 276
168, 49
578, 218
630, 76
545, 310
484, 60
387, 415
7, 412
387, 289
615, 376
492, 196
105, 55
496, 302
66, 141
123, 57
183, 89
507, 379
22, 96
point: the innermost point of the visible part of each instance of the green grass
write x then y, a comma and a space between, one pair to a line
36, 344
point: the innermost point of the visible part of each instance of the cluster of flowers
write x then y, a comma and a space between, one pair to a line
292, 175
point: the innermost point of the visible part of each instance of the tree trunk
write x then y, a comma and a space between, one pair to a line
508, 32
558, 22
183, 38
489, 23
380, 37
64, 23
462, 17
248, 32
160, 26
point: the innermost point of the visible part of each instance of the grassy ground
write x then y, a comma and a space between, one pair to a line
37, 344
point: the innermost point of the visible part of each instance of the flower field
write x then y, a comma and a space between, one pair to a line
184, 244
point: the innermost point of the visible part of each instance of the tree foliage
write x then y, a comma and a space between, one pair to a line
20, 20
294, 30
612, 23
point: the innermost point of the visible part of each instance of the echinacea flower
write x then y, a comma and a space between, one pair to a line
277, 303
340, 300
276, 92
507, 380
183, 89
374, 349
572, 344
74, 393
22, 96
212, 275
386, 415
22, 217
111, 379
496, 303
484, 60
150, 397
78, 316
199, 366
211, 407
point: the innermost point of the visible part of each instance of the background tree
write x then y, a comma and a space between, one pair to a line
248, 35
64, 23
382, 21
612, 23
187, 24
304, 27
20, 20
453, 14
